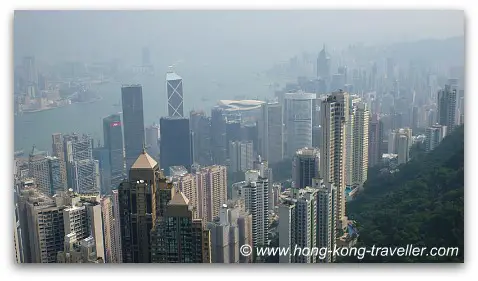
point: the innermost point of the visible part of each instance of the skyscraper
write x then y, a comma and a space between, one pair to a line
256, 198
403, 149
152, 137
200, 125
133, 121
174, 88
241, 156
113, 143
109, 233
305, 167
176, 147
434, 135
375, 139
211, 190
224, 238
298, 224
137, 204
271, 132
360, 142
101, 154
59, 152
46, 171
178, 237
218, 136
447, 108
323, 65
117, 227
335, 114
298, 112
326, 220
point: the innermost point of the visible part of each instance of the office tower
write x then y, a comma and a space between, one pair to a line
59, 152
200, 125
256, 198
224, 238
117, 227
86, 176
326, 220
79, 250
187, 184
151, 140
176, 145
133, 122
211, 190
338, 82
138, 203
102, 155
271, 132
113, 143
323, 65
30, 70
241, 156
218, 136
233, 132
305, 167
83, 171
335, 115
46, 171
298, 112
375, 139
178, 237
298, 224
414, 118
360, 142
434, 135
447, 108
145, 56
174, 88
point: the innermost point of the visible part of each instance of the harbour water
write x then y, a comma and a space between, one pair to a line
200, 92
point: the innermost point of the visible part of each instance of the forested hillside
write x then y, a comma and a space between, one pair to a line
422, 204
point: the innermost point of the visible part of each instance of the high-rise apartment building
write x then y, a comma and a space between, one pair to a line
174, 88
241, 156
176, 147
200, 126
109, 232
59, 152
375, 140
360, 117
178, 237
298, 224
113, 143
403, 149
400, 146
298, 121
434, 135
326, 220
224, 238
305, 167
218, 136
133, 122
187, 184
256, 198
447, 108
211, 190
271, 132
335, 115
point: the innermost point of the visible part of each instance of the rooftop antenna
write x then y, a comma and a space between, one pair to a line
144, 147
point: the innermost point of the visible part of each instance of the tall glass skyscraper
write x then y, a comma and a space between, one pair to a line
113, 138
176, 146
174, 85
133, 121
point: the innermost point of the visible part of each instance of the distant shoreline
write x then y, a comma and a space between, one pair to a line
56, 107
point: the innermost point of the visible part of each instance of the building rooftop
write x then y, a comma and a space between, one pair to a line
172, 76
144, 161
179, 199
240, 105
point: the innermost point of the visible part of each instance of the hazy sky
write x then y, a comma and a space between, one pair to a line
226, 36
